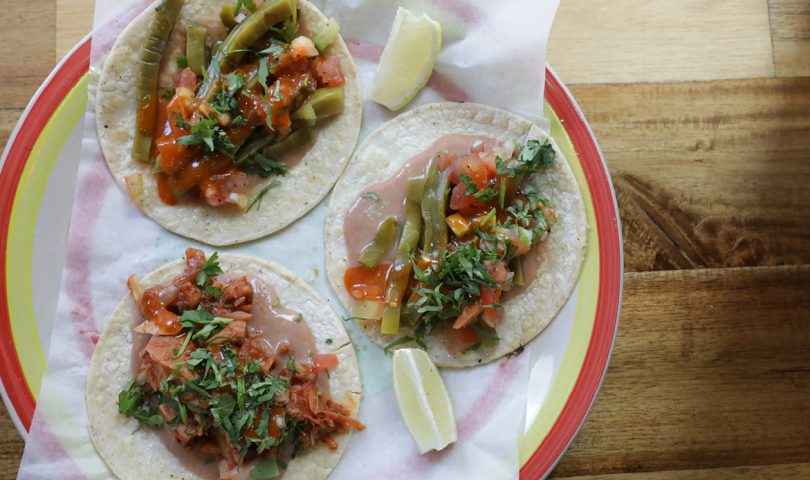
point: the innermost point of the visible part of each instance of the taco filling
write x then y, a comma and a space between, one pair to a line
227, 376
241, 110
439, 246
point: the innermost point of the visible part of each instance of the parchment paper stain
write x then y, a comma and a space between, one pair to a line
462, 9
488, 401
107, 33
447, 88
442, 85
89, 201
49, 445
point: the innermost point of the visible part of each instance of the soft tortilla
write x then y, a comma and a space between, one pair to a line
299, 191
140, 454
384, 153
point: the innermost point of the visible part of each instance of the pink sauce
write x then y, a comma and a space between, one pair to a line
366, 214
278, 325
367, 211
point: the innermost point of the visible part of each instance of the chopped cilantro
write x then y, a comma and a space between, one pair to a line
257, 202
210, 136
132, 403
209, 270
180, 122
207, 322
225, 101
532, 157
485, 196
264, 166
371, 196
235, 83
485, 333
263, 72
274, 50
452, 286
247, 4
182, 62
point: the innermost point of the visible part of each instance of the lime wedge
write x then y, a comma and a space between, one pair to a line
407, 59
423, 401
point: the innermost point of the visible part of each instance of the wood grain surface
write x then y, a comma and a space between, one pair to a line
703, 113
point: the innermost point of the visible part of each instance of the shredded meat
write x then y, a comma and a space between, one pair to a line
157, 362
317, 417
154, 301
258, 350
189, 297
233, 332
323, 416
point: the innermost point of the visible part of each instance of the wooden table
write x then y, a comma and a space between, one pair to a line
702, 109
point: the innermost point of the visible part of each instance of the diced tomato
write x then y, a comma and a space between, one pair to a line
468, 316
444, 159
187, 79
519, 245
165, 190
489, 162
327, 72
466, 205
473, 167
491, 296
198, 171
253, 110
459, 340
287, 64
172, 154
217, 189
324, 361
498, 272
365, 283
279, 100
275, 423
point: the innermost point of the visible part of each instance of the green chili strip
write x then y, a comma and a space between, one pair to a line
326, 102
146, 84
400, 273
242, 37
258, 141
195, 47
228, 15
390, 320
415, 189
383, 239
295, 140
434, 206
517, 267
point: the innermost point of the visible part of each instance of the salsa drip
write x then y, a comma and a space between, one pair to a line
238, 106
443, 266
226, 391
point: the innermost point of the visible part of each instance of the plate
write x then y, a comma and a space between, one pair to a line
36, 193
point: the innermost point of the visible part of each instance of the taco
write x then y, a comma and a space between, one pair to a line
456, 227
226, 121
225, 368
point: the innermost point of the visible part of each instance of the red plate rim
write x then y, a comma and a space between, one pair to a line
611, 284
33, 120
71, 69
